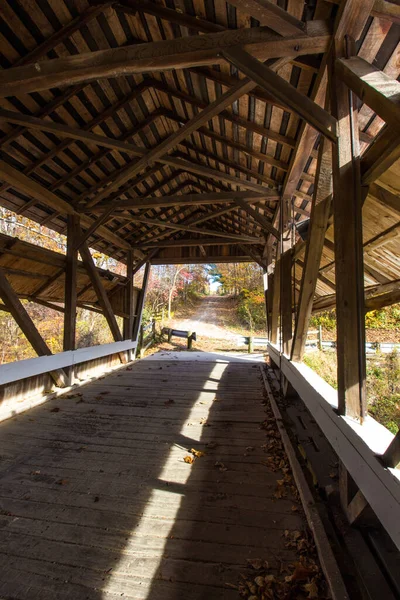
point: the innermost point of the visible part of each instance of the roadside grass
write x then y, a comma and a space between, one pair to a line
383, 383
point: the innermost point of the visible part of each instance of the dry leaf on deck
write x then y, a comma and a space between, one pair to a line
256, 563
312, 589
197, 453
189, 459
220, 466
301, 572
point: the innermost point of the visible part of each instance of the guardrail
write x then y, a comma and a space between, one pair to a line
189, 335
370, 347
251, 341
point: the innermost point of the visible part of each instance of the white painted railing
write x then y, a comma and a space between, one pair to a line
356, 445
30, 367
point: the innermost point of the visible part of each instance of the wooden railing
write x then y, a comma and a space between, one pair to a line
147, 337
366, 450
30, 367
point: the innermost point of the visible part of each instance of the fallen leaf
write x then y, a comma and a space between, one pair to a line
256, 563
220, 466
211, 445
189, 459
312, 589
62, 481
301, 572
197, 453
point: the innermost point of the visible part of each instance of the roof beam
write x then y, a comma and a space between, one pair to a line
257, 217
271, 15
382, 9
168, 14
213, 109
197, 242
380, 156
35, 190
234, 166
158, 56
188, 200
229, 81
305, 107
350, 20
128, 172
379, 91
178, 227
232, 118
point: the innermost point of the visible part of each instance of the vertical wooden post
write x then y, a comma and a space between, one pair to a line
69, 338
129, 301
251, 344
391, 456
286, 302
270, 294
140, 305
189, 340
275, 309
320, 337
349, 272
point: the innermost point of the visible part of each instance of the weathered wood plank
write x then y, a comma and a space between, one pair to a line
96, 496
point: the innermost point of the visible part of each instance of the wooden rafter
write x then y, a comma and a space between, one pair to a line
156, 56
266, 78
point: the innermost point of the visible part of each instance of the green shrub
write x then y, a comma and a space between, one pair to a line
251, 310
327, 320
324, 364
383, 383
385, 318
383, 390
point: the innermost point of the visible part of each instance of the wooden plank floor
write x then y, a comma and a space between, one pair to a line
97, 502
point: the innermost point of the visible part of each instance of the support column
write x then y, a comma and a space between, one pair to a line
140, 305
286, 302
129, 301
349, 272
28, 327
70, 292
320, 213
276, 299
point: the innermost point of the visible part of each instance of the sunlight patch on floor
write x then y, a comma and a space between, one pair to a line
158, 530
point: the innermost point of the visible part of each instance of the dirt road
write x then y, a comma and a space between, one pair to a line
211, 318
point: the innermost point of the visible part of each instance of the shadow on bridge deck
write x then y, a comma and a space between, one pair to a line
97, 502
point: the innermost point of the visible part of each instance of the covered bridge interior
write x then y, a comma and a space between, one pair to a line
171, 131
